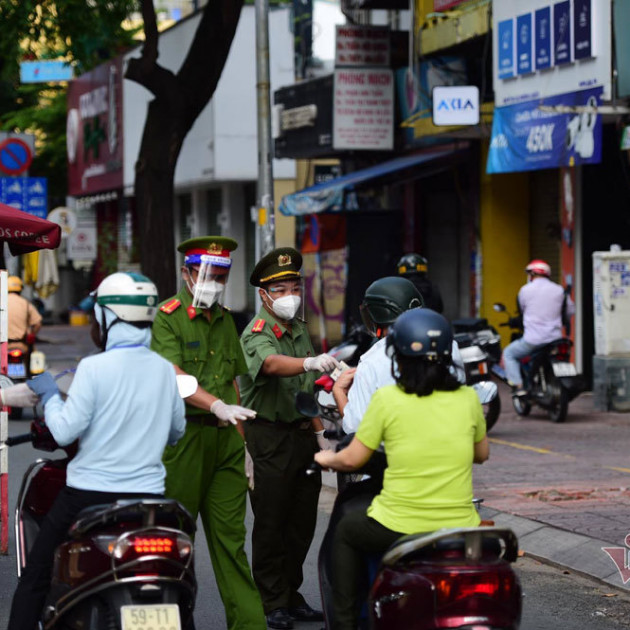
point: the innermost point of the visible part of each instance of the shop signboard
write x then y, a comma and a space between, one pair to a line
363, 116
82, 243
543, 48
526, 137
358, 45
45, 71
94, 130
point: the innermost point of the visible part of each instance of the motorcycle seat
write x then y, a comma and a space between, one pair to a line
164, 512
469, 324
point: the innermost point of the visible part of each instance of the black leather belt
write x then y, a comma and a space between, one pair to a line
296, 424
204, 419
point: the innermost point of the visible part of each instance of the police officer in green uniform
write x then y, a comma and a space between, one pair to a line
281, 442
205, 471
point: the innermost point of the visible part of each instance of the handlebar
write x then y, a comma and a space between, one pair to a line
313, 468
20, 439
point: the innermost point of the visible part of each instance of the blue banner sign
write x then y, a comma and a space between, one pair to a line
506, 49
45, 71
525, 138
29, 194
543, 38
562, 32
582, 17
524, 43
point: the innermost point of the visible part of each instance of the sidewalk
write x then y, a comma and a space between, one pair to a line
564, 510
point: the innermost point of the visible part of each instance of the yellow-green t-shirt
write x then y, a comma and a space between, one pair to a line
429, 441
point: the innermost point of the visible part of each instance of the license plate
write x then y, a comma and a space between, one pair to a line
150, 617
16, 370
564, 369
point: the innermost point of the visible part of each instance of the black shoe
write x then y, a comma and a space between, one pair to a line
280, 618
306, 613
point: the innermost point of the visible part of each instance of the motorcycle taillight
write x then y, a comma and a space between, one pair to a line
15, 354
459, 586
127, 548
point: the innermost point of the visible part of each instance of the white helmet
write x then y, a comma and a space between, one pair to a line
131, 296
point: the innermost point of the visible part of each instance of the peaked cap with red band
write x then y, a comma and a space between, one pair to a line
217, 248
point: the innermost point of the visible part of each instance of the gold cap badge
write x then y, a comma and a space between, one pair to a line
214, 248
284, 260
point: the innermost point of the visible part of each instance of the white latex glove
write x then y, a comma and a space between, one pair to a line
231, 413
249, 469
321, 363
18, 396
322, 441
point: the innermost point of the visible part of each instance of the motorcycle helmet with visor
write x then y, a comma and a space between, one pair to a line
421, 333
132, 297
385, 299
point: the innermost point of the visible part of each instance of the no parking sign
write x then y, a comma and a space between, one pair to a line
15, 156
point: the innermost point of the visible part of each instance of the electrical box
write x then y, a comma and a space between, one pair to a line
611, 302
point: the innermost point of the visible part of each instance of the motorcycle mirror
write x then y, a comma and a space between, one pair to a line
498, 307
487, 391
306, 405
186, 385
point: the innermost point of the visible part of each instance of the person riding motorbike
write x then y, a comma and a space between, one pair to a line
544, 306
384, 300
415, 268
122, 419
433, 430
25, 320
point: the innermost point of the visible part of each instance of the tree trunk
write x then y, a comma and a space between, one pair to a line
179, 99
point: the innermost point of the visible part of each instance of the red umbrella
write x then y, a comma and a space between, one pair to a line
25, 232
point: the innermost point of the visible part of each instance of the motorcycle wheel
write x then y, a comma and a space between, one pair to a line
522, 407
491, 411
559, 409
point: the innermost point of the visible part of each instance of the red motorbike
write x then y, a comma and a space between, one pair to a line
124, 565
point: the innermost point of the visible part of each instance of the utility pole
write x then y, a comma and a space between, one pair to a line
265, 226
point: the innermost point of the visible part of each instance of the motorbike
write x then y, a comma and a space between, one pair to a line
452, 578
23, 362
126, 565
480, 348
357, 342
549, 377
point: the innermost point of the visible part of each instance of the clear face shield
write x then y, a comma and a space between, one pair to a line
285, 298
207, 279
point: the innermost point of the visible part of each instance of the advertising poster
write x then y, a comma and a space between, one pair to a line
526, 138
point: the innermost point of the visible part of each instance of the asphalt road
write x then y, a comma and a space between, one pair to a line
554, 456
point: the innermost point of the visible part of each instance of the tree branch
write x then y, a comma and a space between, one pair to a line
151, 36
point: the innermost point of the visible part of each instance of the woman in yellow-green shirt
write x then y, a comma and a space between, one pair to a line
433, 430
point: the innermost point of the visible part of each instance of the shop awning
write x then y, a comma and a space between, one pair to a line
339, 194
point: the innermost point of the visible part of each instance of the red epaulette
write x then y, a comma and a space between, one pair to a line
170, 306
277, 331
258, 326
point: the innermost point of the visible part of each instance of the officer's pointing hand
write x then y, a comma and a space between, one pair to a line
321, 363
231, 413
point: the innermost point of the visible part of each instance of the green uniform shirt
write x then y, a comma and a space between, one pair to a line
208, 350
273, 397
429, 441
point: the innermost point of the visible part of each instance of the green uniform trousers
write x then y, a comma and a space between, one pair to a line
284, 502
205, 471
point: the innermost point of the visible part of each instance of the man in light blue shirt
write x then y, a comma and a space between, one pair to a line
124, 407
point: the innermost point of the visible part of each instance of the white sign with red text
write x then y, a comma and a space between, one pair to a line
364, 110
358, 45
82, 244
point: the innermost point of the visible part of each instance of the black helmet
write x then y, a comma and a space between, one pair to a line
412, 263
386, 299
421, 333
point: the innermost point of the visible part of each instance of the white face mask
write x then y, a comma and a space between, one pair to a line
205, 294
285, 307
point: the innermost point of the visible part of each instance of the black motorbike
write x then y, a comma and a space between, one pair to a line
480, 348
549, 377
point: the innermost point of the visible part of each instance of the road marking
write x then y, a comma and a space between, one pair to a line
626, 470
525, 447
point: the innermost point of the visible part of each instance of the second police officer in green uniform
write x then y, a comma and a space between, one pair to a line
280, 360
205, 470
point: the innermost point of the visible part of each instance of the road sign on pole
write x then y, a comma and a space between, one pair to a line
15, 156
